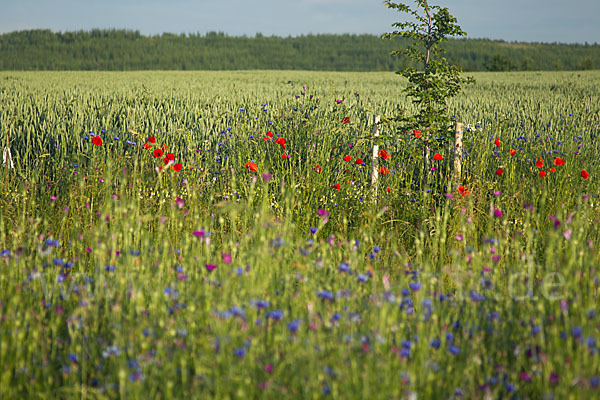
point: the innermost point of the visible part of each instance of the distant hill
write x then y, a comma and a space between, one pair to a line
129, 50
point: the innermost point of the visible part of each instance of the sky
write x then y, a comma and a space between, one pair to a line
573, 21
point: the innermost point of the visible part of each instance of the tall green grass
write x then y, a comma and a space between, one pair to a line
120, 279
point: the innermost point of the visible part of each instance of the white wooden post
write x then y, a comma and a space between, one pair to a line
375, 174
7, 158
458, 152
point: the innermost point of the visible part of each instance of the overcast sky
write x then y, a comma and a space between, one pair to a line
573, 21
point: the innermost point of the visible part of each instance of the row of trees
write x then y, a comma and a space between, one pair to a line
129, 50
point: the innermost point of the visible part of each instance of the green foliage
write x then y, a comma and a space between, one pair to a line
500, 63
436, 80
119, 50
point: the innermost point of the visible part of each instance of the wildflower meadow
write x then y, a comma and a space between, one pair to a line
219, 235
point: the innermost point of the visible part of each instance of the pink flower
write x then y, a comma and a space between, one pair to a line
226, 258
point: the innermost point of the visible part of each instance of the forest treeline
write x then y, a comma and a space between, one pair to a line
119, 50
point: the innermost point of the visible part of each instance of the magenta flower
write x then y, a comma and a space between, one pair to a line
210, 267
198, 233
498, 213
322, 212
525, 376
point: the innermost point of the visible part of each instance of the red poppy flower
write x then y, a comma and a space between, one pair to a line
177, 167
543, 173
512, 152
251, 166
284, 156
559, 161
317, 169
151, 139
584, 174
147, 146
384, 154
539, 163
348, 158
280, 141
358, 161
463, 191
166, 160
499, 171
438, 157
337, 186
171, 156
383, 171
157, 153
389, 189
416, 133
552, 169
346, 120
269, 136
497, 142
97, 140
164, 147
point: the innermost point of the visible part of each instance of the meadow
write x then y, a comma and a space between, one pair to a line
215, 234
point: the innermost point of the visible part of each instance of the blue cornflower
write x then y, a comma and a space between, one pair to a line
325, 294
435, 343
294, 325
260, 303
240, 352
238, 311
591, 342
362, 278
275, 314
